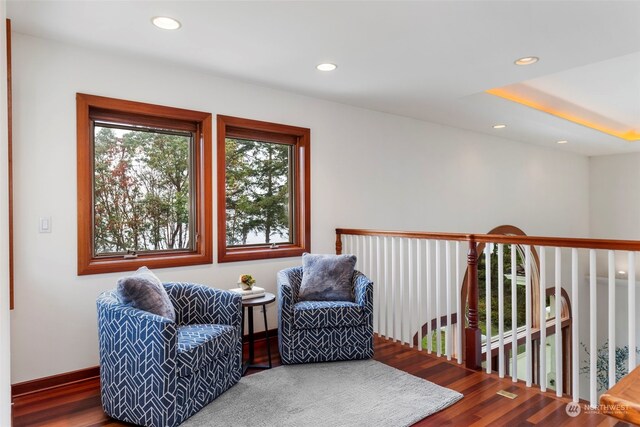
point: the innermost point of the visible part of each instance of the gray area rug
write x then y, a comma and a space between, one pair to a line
354, 393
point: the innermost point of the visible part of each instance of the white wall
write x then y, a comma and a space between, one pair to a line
615, 196
369, 169
5, 352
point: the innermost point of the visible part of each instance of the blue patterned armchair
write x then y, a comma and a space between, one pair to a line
157, 373
320, 331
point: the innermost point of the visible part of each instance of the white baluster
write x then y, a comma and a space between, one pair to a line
437, 301
379, 297
376, 285
632, 311
372, 260
514, 315
428, 305
362, 254
527, 283
543, 319
575, 350
368, 271
394, 271
593, 331
387, 289
501, 310
402, 305
487, 296
419, 283
558, 309
410, 285
447, 336
459, 309
612, 318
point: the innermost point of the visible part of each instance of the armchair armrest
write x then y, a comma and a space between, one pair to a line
199, 304
288, 285
363, 291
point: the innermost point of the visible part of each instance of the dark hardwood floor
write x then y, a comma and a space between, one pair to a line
78, 405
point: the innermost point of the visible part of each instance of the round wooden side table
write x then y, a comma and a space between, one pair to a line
249, 304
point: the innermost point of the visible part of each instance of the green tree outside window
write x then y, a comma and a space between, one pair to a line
257, 192
142, 191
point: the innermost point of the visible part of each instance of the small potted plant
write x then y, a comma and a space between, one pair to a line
246, 282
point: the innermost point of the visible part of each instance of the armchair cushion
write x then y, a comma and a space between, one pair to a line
327, 277
199, 345
144, 291
327, 314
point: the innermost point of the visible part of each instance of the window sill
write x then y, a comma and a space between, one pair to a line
262, 252
116, 264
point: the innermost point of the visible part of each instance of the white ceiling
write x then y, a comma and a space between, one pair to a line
429, 60
613, 88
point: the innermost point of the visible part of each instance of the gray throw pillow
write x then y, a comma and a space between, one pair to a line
327, 277
144, 291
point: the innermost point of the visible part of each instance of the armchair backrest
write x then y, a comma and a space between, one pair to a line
200, 304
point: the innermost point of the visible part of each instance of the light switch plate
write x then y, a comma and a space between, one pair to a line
44, 225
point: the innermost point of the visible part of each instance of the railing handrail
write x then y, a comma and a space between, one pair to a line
407, 234
563, 242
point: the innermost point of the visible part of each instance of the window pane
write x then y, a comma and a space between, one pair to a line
258, 193
521, 291
142, 190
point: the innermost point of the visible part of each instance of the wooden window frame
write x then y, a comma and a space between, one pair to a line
300, 139
202, 181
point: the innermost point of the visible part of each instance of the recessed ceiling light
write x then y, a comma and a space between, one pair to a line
527, 60
622, 272
499, 126
563, 141
166, 23
327, 66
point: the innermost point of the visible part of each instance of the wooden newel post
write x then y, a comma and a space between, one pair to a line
472, 332
338, 243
